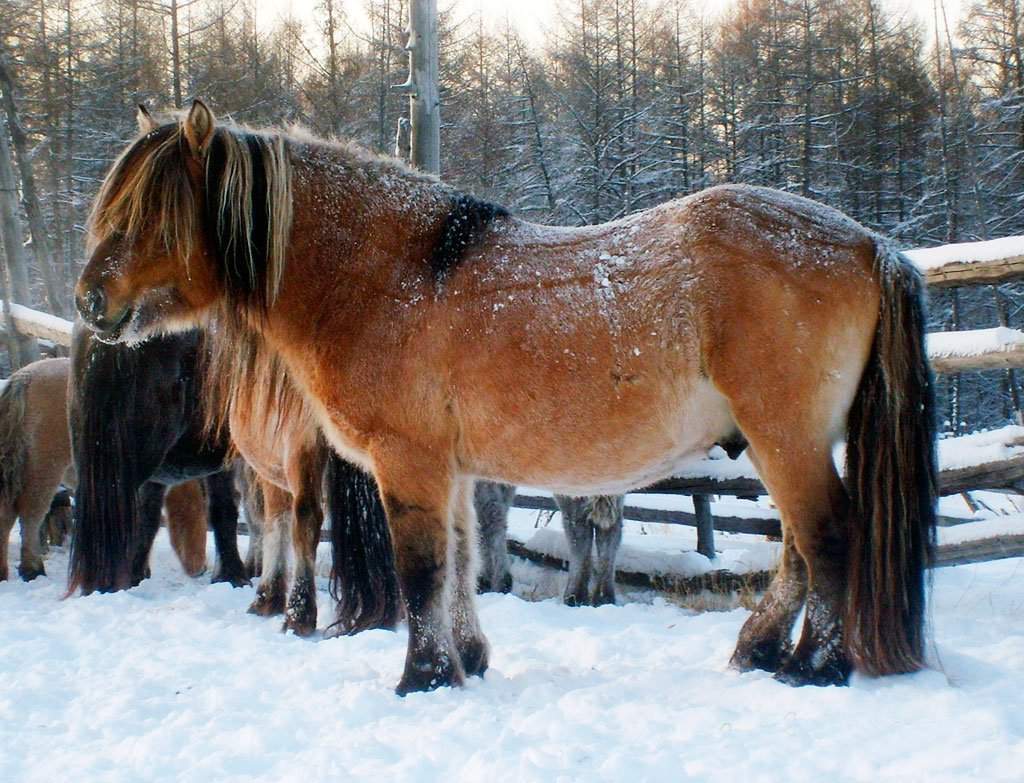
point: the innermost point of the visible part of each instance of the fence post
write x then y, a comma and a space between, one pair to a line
705, 526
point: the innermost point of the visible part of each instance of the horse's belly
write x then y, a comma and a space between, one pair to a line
584, 453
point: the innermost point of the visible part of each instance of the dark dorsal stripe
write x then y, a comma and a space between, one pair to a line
465, 224
243, 260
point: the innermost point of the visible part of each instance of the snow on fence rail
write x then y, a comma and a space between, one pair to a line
42, 325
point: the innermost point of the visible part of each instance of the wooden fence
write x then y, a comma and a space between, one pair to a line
971, 263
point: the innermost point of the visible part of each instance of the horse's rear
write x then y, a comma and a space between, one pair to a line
738, 310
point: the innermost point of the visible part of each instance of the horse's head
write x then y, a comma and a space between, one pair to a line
151, 266
190, 213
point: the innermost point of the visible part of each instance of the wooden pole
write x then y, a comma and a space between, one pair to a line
422, 87
705, 526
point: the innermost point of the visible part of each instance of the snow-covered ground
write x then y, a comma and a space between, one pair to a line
173, 681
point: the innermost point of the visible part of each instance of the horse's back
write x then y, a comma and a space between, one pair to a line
652, 329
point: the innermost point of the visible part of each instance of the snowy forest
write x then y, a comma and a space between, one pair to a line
914, 129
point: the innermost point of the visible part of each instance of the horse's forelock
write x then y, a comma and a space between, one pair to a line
247, 214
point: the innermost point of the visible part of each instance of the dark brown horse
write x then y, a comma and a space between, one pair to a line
136, 429
438, 339
35, 459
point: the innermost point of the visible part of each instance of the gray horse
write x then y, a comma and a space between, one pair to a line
587, 521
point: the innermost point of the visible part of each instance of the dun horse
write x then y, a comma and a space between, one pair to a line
438, 339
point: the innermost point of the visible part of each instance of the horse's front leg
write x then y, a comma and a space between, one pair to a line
304, 475
417, 494
469, 639
223, 515
151, 503
270, 594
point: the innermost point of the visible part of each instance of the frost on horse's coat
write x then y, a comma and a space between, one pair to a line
583, 360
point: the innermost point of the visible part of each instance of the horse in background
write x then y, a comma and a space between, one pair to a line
137, 429
35, 461
409, 315
35, 456
590, 523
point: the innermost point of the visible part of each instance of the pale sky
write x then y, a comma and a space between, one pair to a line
533, 17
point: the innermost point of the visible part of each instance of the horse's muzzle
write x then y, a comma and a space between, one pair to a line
92, 306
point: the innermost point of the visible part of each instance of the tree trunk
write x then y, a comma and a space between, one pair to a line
10, 229
37, 226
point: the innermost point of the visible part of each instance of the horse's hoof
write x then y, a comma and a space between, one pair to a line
267, 605
768, 656
429, 676
798, 671
571, 599
300, 627
28, 573
602, 598
474, 654
236, 578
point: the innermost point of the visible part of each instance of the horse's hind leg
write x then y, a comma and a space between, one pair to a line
804, 484
764, 641
307, 519
31, 563
271, 592
822, 538
469, 639
223, 514
606, 517
7, 519
492, 501
185, 505
579, 535
32, 508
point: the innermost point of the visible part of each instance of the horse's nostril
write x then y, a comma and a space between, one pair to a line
93, 304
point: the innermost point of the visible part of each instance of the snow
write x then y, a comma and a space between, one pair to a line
974, 342
967, 252
981, 448
173, 681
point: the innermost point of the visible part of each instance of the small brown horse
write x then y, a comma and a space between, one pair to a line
438, 339
35, 459
273, 429
35, 456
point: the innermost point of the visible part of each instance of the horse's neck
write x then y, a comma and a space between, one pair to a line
351, 211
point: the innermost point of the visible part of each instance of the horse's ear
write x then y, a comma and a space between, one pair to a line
199, 126
145, 120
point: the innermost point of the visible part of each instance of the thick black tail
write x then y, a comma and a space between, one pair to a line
363, 578
892, 477
13, 449
107, 515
